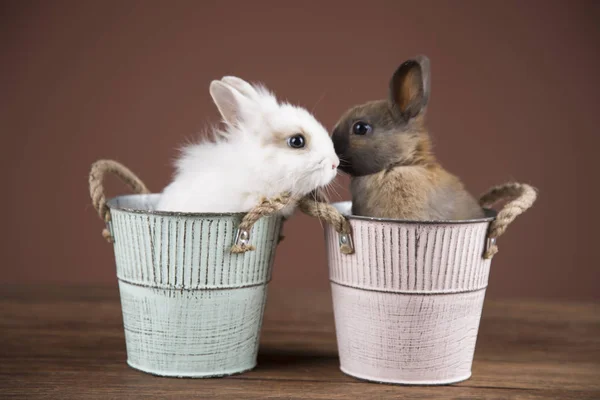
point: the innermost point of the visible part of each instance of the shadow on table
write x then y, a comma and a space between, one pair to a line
270, 359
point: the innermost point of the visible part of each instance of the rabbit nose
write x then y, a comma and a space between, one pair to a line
336, 162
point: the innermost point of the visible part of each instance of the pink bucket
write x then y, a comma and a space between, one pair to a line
408, 302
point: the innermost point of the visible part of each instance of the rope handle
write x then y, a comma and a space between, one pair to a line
242, 240
315, 205
519, 197
99, 169
264, 208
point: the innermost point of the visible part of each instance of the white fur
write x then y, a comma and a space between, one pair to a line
243, 164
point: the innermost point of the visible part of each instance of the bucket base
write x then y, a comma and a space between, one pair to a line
187, 374
406, 382
405, 338
192, 333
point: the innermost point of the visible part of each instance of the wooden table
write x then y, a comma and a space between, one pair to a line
67, 343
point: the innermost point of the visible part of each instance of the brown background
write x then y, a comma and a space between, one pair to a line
515, 96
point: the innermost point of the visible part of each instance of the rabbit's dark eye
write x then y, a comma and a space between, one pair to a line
296, 141
361, 128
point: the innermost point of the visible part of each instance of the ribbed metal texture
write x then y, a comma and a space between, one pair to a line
407, 304
190, 252
416, 258
191, 308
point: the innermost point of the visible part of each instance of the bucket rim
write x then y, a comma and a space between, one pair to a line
343, 206
112, 205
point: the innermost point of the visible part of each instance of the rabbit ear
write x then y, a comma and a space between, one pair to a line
241, 85
410, 87
230, 102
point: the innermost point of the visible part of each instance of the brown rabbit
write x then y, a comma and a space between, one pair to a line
384, 145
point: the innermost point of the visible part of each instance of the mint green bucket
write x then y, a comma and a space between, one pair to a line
191, 308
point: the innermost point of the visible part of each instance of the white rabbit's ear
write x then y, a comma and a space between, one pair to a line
230, 102
241, 85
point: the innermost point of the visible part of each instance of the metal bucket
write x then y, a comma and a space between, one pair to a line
408, 302
191, 308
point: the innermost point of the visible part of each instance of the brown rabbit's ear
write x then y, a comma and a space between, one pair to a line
410, 87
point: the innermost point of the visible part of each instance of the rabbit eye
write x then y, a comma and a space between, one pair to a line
296, 141
361, 128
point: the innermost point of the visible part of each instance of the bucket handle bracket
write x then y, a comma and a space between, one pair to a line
316, 206
266, 207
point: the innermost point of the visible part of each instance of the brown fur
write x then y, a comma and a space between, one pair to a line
394, 172
414, 193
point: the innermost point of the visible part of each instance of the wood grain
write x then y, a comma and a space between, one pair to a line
67, 343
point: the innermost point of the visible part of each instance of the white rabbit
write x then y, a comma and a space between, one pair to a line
267, 148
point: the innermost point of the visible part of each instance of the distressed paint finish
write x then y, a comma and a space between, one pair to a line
190, 307
407, 304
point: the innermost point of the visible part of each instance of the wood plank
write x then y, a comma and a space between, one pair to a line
89, 386
68, 343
